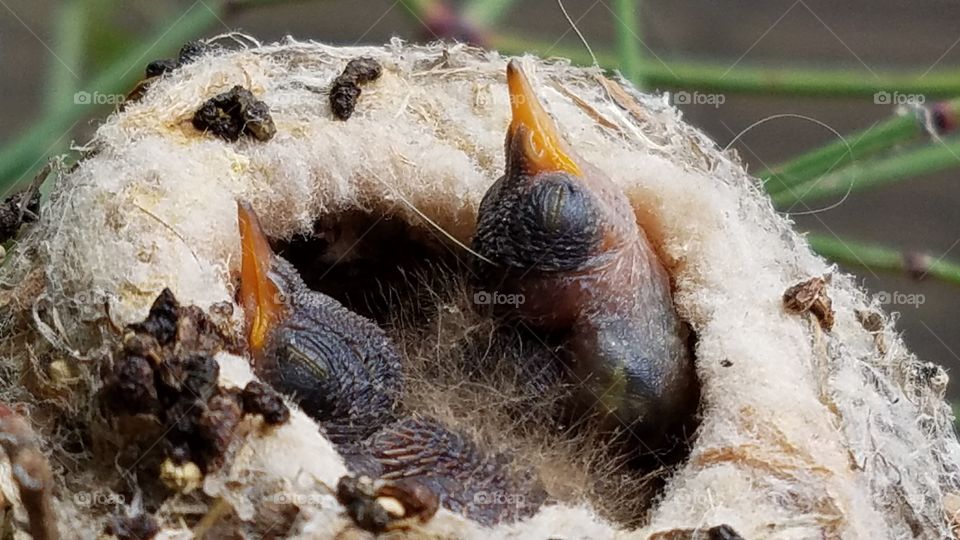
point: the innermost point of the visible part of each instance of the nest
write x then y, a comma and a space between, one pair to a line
808, 429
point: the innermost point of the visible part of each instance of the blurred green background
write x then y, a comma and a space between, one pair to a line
849, 65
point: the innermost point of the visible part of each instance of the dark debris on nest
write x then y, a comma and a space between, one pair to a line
719, 532
346, 87
18, 209
811, 296
234, 113
189, 53
166, 370
378, 506
260, 398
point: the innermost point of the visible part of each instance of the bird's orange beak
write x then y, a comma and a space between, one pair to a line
540, 147
259, 295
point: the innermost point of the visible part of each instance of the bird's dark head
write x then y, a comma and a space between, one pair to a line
307, 345
553, 222
551, 211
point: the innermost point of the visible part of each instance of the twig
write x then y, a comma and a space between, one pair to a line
628, 33
928, 158
65, 70
879, 258
219, 508
19, 155
718, 77
30, 471
898, 130
26, 150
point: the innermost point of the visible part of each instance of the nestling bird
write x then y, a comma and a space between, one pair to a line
564, 238
341, 368
556, 233
345, 373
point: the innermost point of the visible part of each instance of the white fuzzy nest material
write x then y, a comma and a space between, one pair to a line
805, 433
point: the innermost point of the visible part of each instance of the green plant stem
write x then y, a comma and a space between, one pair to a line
628, 36
63, 78
20, 156
882, 136
838, 154
486, 13
884, 259
928, 158
715, 77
